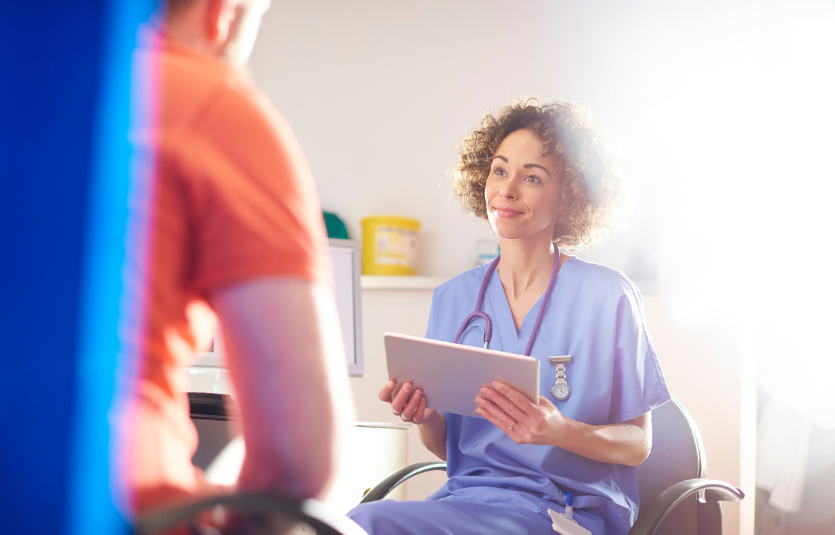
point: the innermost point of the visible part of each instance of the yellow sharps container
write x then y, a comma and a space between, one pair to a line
389, 245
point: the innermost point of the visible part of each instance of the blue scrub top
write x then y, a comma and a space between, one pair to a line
595, 314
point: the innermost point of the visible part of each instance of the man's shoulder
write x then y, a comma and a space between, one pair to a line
192, 85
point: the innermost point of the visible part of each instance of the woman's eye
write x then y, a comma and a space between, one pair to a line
532, 178
499, 171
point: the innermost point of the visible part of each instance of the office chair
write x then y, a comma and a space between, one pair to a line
676, 498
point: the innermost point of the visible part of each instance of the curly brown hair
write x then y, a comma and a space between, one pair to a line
591, 190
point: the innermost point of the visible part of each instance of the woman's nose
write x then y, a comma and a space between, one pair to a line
508, 190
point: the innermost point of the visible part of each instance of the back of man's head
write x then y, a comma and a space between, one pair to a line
175, 5
225, 29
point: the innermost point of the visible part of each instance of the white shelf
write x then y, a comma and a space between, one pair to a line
394, 282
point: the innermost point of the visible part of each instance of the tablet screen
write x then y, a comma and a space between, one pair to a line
451, 375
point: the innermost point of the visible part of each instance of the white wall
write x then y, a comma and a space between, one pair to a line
380, 92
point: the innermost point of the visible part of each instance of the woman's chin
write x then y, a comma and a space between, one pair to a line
517, 232
508, 235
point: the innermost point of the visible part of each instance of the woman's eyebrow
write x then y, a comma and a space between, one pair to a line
526, 166
529, 165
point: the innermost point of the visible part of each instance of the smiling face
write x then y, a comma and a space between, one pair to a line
523, 189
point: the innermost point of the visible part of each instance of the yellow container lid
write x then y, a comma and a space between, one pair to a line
392, 220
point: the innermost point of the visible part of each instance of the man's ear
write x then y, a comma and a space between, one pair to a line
219, 17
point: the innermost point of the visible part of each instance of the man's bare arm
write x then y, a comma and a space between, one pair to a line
285, 354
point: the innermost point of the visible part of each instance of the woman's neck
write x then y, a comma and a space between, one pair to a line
525, 266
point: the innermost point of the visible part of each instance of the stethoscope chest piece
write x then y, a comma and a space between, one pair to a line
561, 390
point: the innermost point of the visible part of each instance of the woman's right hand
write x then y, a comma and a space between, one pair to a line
410, 409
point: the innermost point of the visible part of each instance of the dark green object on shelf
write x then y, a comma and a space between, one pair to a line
336, 228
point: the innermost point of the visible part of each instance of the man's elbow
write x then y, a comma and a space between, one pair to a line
302, 479
316, 464
318, 477
301, 468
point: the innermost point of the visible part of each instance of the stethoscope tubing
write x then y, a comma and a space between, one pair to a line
488, 331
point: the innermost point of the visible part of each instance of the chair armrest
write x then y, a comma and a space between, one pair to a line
383, 488
307, 511
665, 502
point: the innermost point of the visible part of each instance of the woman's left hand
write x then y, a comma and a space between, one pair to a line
526, 423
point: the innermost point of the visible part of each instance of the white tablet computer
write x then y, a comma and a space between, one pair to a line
451, 375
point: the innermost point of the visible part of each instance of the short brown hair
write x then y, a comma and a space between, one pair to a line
591, 188
172, 7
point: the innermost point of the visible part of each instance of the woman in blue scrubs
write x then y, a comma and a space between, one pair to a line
541, 176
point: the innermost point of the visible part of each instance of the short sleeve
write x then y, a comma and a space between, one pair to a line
441, 314
430, 330
255, 211
638, 386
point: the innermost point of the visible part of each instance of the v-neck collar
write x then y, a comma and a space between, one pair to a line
512, 341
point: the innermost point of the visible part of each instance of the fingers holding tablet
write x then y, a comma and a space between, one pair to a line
407, 403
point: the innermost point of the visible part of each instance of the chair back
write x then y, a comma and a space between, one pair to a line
677, 454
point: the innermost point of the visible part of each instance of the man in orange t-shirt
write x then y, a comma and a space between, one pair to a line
232, 227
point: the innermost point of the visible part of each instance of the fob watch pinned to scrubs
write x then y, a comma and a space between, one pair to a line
561, 390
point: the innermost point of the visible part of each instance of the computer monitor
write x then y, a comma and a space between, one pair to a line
347, 270
345, 255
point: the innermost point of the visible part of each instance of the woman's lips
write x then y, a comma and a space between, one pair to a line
506, 212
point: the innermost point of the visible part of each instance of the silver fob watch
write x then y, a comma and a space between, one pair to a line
561, 390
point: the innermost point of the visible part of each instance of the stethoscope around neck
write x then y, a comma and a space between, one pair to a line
488, 328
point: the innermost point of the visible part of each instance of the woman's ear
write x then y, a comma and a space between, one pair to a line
219, 17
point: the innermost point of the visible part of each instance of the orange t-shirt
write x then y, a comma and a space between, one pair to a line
231, 198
